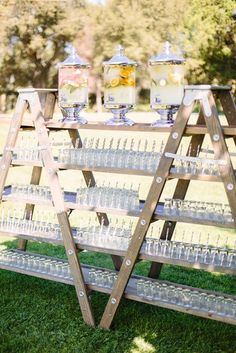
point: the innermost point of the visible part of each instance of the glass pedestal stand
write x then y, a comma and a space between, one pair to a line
72, 114
166, 115
119, 116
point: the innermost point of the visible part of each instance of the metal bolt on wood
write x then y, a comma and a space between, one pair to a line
230, 186
175, 135
216, 137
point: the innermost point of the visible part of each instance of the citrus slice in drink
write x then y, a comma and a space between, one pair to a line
115, 82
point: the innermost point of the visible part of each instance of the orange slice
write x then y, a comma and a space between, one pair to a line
128, 82
124, 72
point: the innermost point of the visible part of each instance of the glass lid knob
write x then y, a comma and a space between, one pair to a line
167, 48
120, 50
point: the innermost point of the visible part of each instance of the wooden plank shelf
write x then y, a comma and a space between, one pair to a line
130, 291
70, 203
137, 127
143, 255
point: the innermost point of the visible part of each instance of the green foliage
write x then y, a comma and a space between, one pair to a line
34, 36
210, 41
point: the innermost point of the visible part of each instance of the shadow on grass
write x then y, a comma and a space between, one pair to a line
44, 317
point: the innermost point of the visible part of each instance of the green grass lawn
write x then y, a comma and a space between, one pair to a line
44, 317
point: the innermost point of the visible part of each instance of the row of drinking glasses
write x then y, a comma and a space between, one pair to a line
128, 144
112, 197
198, 166
195, 165
54, 267
118, 237
32, 191
184, 297
27, 149
35, 263
113, 153
109, 158
191, 299
198, 209
124, 159
27, 154
191, 252
102, 278
98, 153
9, 222
111, 237
109, 197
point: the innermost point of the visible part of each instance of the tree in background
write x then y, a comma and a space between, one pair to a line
210, 41
34, 34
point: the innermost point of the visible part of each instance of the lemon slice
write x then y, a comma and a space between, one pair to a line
115, 82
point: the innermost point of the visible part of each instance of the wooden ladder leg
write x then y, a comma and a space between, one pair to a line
229, 107
179, 193
221, 152
90, 182
49, 107
59, 206
144, 220
29, 208
47, 101
14, 128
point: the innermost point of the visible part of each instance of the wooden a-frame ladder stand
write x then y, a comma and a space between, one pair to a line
41, 103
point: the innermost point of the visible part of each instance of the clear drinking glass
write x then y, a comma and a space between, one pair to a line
195, 299
187, 297
140, 287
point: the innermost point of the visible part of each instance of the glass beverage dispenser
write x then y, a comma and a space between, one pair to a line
73, 88
167, 85
119, 87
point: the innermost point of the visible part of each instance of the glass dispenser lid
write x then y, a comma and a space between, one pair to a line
166, 56
120, 58
74, 60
